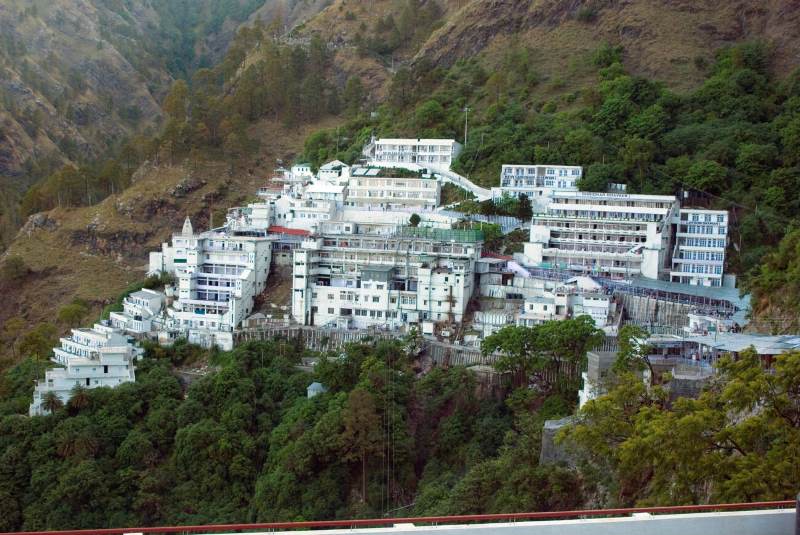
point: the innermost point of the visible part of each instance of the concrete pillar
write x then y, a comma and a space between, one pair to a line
797, 515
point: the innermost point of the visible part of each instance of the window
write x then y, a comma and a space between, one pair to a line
375, 299
330, 311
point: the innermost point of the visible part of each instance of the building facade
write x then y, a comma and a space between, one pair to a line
608, 234
218, 275
90, 358
390, 280
139, 311
393, 192
413, 153
536, 181
701, 240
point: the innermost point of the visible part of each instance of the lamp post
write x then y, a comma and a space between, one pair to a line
466, 115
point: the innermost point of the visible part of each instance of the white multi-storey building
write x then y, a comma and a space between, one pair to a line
366, 189
612, 234
300, 172
334, 172
622, 235
363, 280
296, 211
218, 274
322, 190
536, 182
699, 254
91, 358
139, 310
436, 154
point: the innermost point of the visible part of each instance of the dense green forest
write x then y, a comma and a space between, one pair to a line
245, 443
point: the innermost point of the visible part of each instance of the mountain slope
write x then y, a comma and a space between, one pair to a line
673, 41
68, 91
67, 248
92, 253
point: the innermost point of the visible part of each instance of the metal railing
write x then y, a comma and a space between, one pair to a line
435, 520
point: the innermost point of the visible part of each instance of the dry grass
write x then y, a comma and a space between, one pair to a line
128, 225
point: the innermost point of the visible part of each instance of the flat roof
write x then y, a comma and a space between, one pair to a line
542, 165
723, 293
324, 187
399, 140
764, 344
145, 293
614, 195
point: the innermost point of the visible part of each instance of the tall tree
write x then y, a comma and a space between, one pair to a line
353, 95
362, 433
177, 100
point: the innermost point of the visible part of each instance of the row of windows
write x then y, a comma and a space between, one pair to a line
704, 242
703, 255
359, 312
695, 268
705, 229
225, 283
199, 323
707, 218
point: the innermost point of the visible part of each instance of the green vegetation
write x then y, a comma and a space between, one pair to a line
413, 25
245, 443
14, 269
552, 353
736, 443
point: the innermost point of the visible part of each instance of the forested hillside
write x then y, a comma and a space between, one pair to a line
245, 443
665, 96
223, 135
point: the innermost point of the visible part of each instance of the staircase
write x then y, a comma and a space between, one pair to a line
481, 194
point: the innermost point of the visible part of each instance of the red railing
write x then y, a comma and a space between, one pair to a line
372, 522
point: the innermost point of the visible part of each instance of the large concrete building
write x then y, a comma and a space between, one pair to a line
699, 255
89, 358
403, 278
218, 274
371, 187
434, 154
611, 234
620, 235
536, 182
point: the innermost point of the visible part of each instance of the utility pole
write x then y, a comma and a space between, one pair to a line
466, 116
